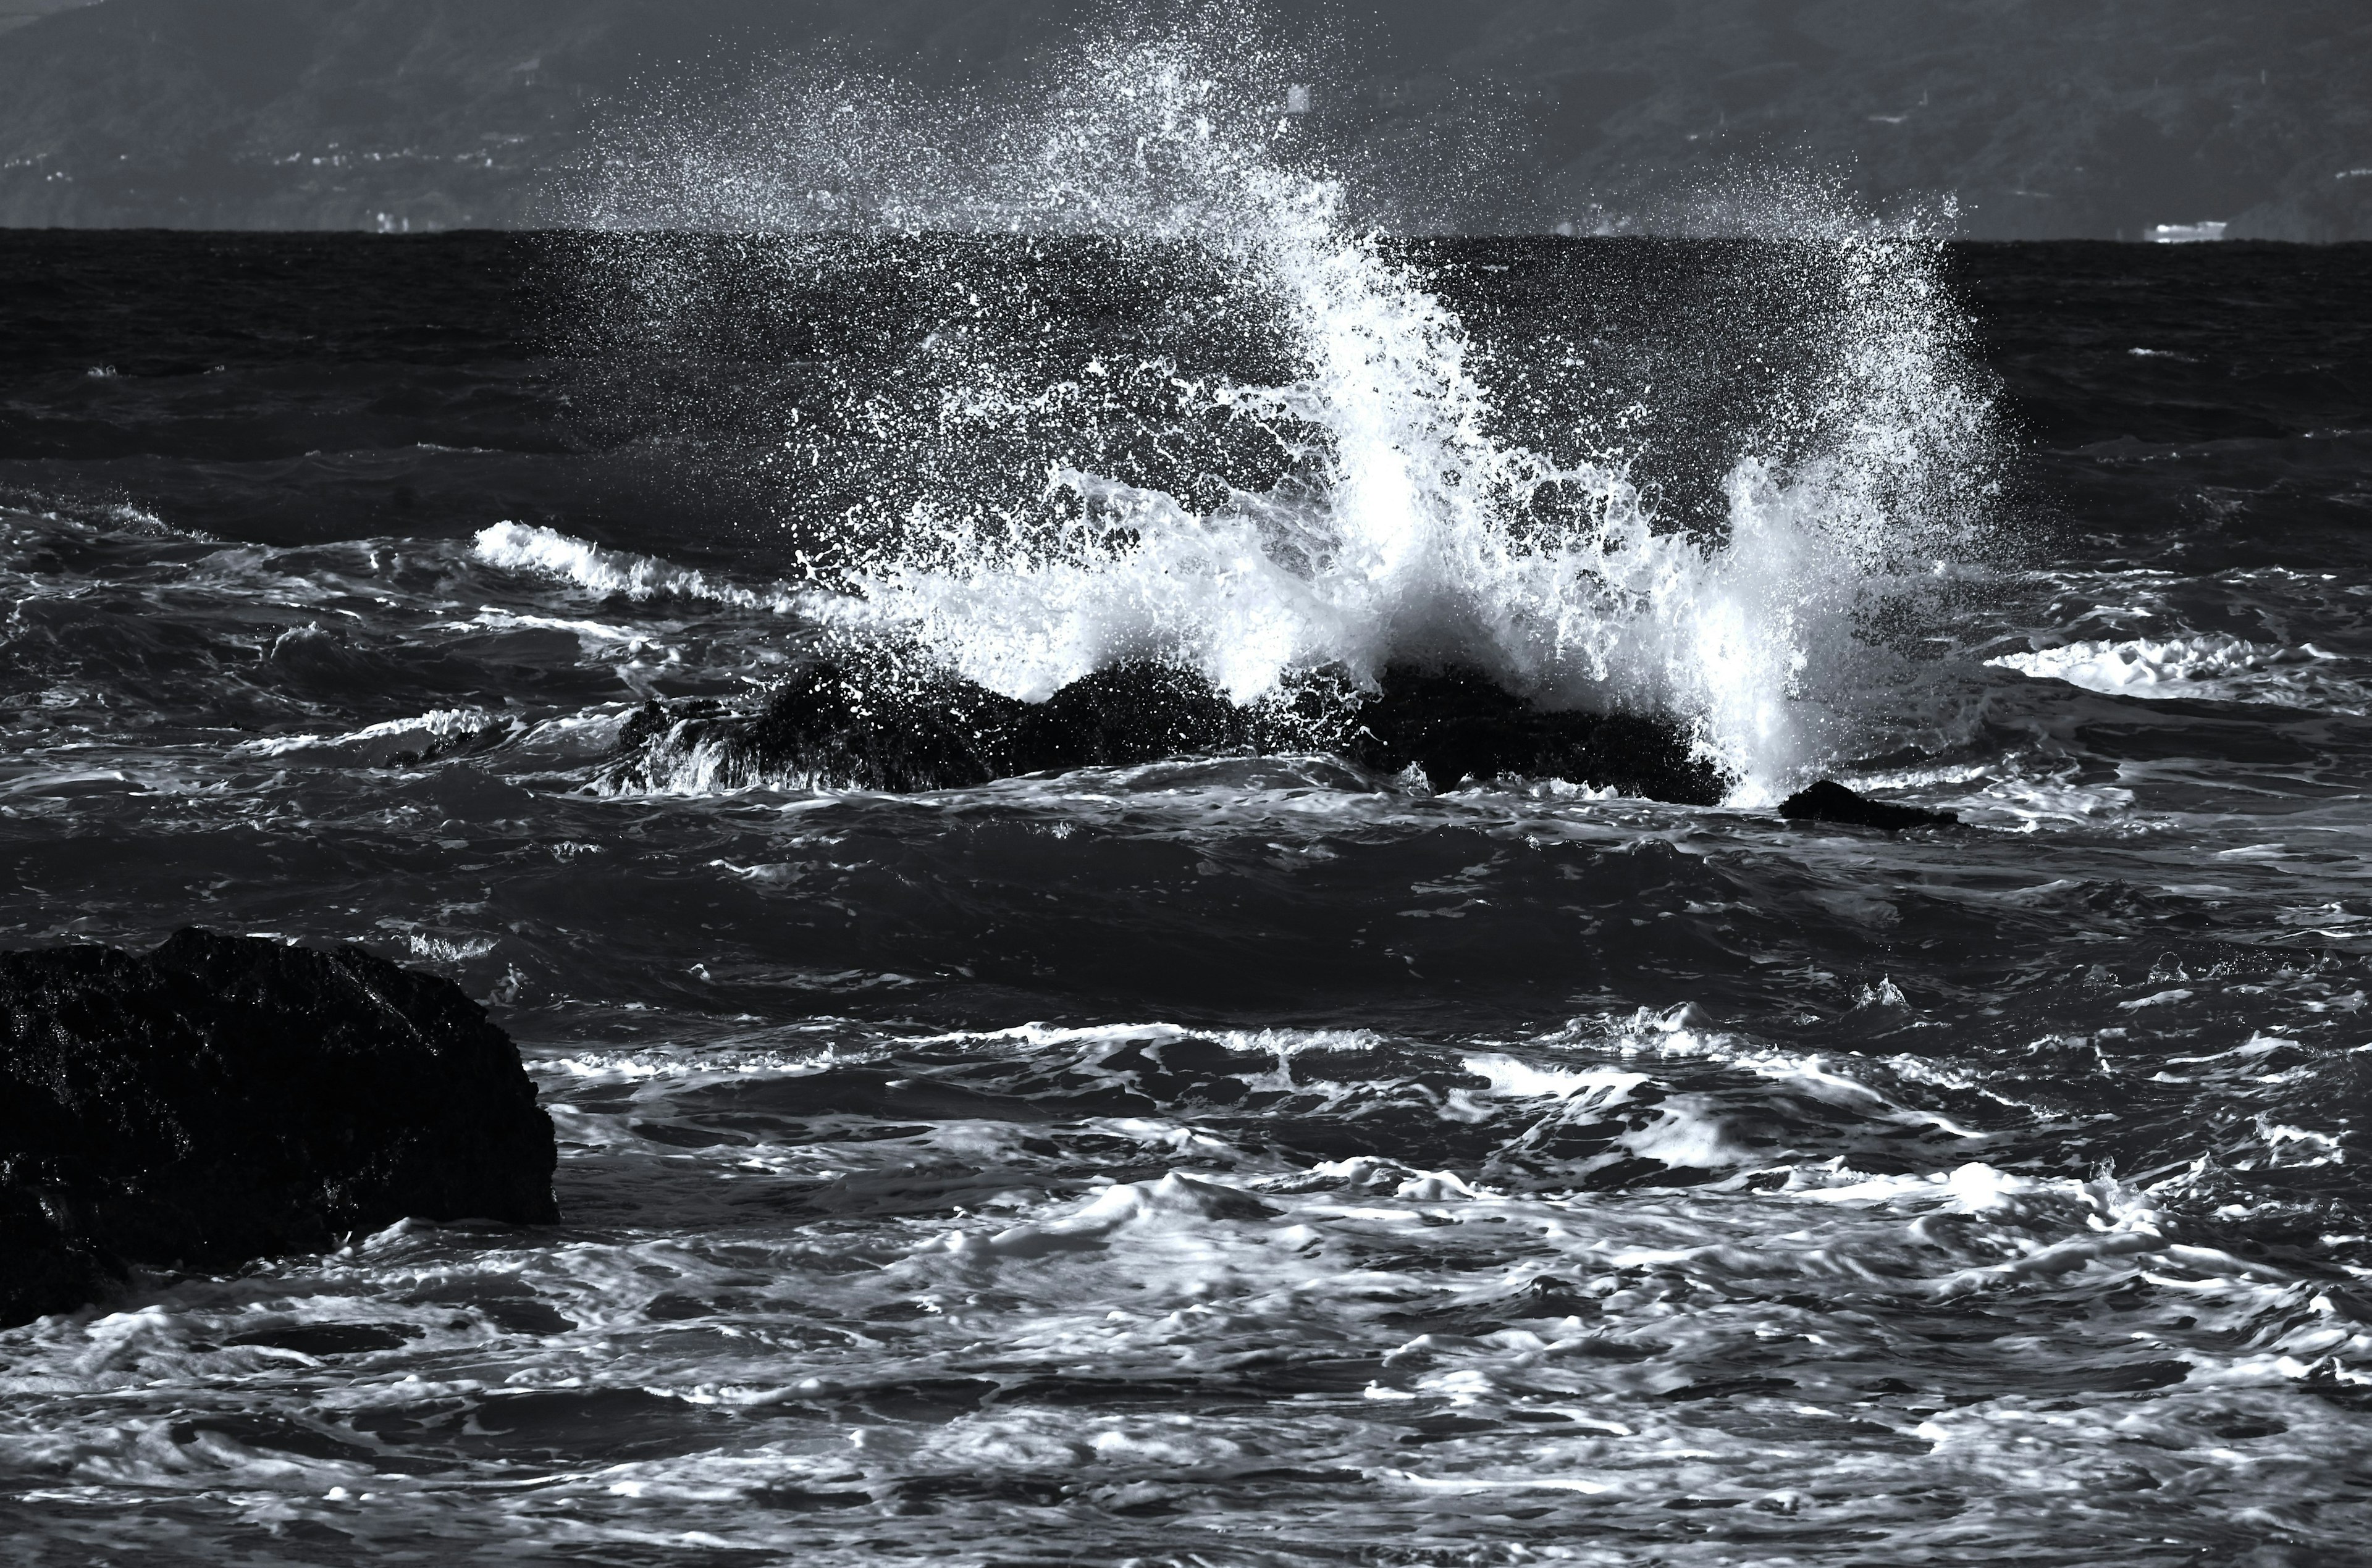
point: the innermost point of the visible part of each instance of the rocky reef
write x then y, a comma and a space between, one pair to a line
880, 724
228, 1097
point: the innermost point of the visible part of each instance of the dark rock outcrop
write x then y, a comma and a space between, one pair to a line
886, 728
879, 726
1457, 724
1829, 801
227, 1098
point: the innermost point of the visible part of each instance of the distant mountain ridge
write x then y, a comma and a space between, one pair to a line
2046, 118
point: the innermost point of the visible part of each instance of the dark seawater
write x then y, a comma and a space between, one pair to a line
1239, 1160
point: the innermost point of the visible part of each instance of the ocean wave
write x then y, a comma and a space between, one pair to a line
2206, 666
441, 728
522, 547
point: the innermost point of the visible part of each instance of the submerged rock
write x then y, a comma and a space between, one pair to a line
856, 727
228, 1097
1829, 801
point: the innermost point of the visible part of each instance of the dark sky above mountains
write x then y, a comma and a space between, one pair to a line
2046, 118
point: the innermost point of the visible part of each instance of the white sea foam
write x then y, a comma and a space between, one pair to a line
2212, 667
691, 1347
1507, 1075
440, 724
522, 547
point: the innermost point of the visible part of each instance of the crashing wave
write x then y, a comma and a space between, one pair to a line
1405, 530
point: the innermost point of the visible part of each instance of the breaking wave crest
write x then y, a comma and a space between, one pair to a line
522, 547
2207, 667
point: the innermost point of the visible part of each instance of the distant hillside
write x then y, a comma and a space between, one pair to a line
15, 14
2048, 118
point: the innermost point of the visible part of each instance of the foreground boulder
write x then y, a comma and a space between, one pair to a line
879, 725
1829, 801
227, 1098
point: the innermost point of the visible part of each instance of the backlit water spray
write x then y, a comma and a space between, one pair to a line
1402, 522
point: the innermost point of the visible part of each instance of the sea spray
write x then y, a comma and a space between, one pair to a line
1387, 514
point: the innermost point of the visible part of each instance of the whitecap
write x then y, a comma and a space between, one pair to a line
522, 547
2209, 667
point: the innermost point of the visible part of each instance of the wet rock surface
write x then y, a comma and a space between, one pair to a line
856, 727
1457, 724
1829, 801
227, 1098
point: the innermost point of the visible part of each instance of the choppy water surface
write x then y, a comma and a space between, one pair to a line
1240, 1160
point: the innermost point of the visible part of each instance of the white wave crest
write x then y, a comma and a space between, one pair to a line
522, 547
2212, 667
437, 724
